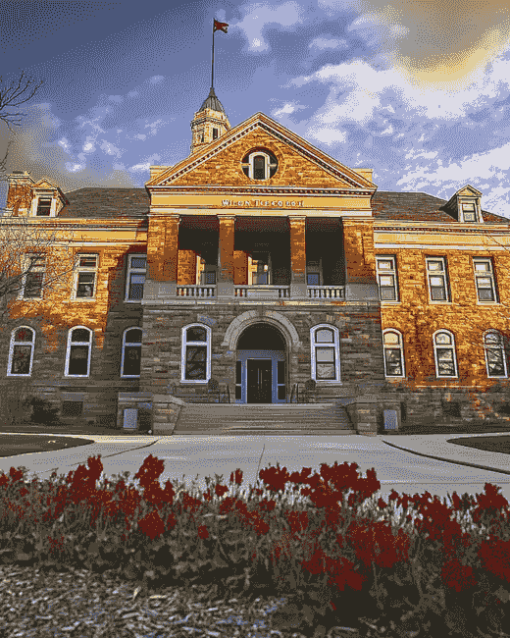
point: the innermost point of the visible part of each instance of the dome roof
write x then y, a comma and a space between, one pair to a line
212, 102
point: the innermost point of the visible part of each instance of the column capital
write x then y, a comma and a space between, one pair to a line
294, 219
175, 217
226, 216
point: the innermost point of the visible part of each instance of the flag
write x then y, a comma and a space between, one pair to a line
220, 26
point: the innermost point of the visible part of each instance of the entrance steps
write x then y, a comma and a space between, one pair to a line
263, 418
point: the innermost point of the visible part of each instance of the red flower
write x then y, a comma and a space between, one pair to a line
202, 532
152, 525
457, 576
220, 490
238, 478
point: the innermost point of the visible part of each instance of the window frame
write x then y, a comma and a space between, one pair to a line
85, 270
490, 275
452, 347
469, 202
78, 343
13, 343
268, 165
336, 348
443, 273
501, 348
135, 271
28, 271
185, 344
400, 347
123, 352
314, 267
393, 272
43, 196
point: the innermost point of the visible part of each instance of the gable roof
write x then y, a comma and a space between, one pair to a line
419, 207
262, 122
106, 203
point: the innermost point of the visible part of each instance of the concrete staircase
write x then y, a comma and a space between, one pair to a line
230, 419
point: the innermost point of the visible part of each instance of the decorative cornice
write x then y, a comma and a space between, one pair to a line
291, 190
455, 229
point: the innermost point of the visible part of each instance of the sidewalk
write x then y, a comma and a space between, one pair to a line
436, 446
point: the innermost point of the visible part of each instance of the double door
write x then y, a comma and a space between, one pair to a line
260, 376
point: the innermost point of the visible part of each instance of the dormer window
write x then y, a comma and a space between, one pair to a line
469, 211
259, 164
215, 133
43, 206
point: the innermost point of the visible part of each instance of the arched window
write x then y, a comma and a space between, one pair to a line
131, 352
444, 354
21, 352
196, 354
325, 353
259, 164
393, 354
495, 357
79, 342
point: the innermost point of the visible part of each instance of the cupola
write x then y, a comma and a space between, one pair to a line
209, 123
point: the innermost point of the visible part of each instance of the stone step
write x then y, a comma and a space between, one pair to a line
265, 432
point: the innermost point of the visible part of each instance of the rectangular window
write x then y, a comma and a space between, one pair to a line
387, 278
325, 362
43, 207
72, 408
484, 278
437, 278
469, 212
313, 273
33, 280
79, 361
215, 133
196, 363
137, 268
86, 276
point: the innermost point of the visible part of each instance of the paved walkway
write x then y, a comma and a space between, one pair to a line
411, 464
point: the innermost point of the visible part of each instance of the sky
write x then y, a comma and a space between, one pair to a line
418, 90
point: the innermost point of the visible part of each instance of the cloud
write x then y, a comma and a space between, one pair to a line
489, 171
144, 166
156, 79
323, 43
287, 109
155, 126
258, 15
440, 42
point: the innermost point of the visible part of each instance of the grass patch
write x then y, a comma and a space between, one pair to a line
499, 444
15, 444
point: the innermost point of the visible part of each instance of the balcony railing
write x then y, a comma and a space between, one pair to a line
262, 292
326, 292
196, 291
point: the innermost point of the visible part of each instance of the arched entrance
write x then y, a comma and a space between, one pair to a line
261, 365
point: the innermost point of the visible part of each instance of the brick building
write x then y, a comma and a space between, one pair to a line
259, 270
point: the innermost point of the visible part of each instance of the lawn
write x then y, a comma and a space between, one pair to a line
499, 444
14, 444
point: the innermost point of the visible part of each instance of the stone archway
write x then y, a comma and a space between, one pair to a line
271, 317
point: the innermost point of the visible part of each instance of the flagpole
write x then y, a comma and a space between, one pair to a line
212, 68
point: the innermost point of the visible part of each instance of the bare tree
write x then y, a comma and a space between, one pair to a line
13, 95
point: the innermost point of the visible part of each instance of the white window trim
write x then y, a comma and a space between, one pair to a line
436, 346
474, 201
444, 273
312, 270
26, 262
267, 167
185, 343
136, 271
128, 376
24, 343
82, 269
336, 346
77, 343
491, 276
401, 348
502, 349
392, 258
35, 204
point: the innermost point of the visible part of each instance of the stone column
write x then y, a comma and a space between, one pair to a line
360, 275
162, 258
297, 256
225, 286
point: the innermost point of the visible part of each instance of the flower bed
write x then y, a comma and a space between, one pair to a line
412, 566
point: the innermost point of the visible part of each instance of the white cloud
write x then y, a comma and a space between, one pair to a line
327, 43
117, 99
493, 167
133, 94
287, 109
145, 165
74, 168
65, 144
110, 149
327, 135
357, 90
140, 136
156, 79
155, 126
89, 145
259, 15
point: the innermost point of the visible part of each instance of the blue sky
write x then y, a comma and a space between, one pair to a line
418, 91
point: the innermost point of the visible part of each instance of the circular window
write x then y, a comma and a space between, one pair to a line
259, 164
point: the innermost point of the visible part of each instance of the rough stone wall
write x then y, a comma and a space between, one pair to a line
293, 168
417, 319
360, 344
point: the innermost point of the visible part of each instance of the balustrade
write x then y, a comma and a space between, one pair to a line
326, 292
196, 291
262, 292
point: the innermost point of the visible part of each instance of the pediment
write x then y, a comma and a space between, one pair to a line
300, 164
468, 191
44, 184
